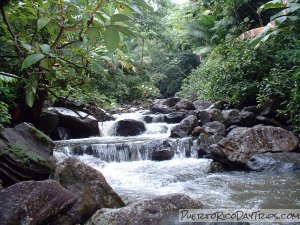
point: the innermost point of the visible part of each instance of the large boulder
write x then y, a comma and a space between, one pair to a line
175, 117
282, 162
215, 127
160, 108
78, 124
185, 127
100, 114
204, 141
160, 210
232, 117
129, 127
47, 122
185, 104
242, 143
25, 154
34, 202
89, 186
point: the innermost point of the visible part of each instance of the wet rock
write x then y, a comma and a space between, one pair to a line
160, 210
201, 104
163, 154
281, 162
204, 141
78, 124
185, 127
216, 115
129, 127
34, 202
252, 109
185, 104
232, 117
171, 102
160, 108
215, 128
25, 154
242, 143
215, 167
175, 117
154, 118
47, 122
90, 188
204, 117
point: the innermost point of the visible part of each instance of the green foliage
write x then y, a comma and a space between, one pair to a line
4, 115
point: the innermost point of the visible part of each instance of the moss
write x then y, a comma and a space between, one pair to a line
24, 155
40, 136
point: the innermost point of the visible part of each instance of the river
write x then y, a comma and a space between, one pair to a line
126, 164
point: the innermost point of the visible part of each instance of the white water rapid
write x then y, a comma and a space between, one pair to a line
126, 164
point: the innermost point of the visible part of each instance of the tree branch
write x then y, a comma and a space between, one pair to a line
18, 49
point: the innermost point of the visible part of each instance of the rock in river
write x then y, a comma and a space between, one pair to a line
160, 210
129, 127
34, 202
90, 187
242, 143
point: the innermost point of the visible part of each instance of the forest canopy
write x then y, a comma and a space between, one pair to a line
111, 52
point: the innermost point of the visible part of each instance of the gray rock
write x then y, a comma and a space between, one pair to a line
204, 117
221, 105
198, 130
242, 143
160, 108
232, 117
202, 104
175, 117
160, 210
185, 127
215, 167
47, 122
215, 128
248, 119
34, 202
216, 115
162, 154
281, 162
171, 102
204, 141
185, 104
77, 123
129, 127
25, 154
266, 121
252, 109
91, 189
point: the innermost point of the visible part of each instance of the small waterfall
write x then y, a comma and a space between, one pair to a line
133, 151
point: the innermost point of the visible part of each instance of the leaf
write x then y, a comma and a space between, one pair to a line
124, 30
111, 38
30, 97
45, 48
27, 46
42, 22
119, 17
93, 34
144, 5
32, 59
276, 4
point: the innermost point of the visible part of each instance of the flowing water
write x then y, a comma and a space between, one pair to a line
126, 164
